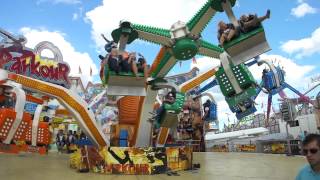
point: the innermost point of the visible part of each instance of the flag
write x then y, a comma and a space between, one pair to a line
80, 72
90, 71
194, 61
262, 105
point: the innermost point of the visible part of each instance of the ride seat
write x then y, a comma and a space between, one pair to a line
7, 118
247, 46
43, 134
242, 75
169, 118
123, 83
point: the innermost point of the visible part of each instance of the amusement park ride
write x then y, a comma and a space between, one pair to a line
179, 43
273, 82
182, 42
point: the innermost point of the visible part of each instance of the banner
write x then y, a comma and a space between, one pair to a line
17, 58
278, 148
130, 160
246, 147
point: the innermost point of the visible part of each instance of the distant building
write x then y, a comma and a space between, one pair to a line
92, 90
181, 78
307, 122
76, 86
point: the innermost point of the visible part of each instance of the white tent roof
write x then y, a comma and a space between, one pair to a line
236, 134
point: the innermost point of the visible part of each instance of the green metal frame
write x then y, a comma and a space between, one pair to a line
243, 36
243, 75
152, 30
215, 4
162, 36
170, 118
129, 31
245, 95
108, 73
112, 73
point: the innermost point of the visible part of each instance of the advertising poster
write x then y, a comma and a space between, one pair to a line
130, 160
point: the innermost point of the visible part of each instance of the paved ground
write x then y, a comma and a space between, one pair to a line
214, 166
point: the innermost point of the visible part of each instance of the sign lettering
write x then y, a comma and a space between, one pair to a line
16, 58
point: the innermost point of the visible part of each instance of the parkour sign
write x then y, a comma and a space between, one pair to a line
17, 58
38, 68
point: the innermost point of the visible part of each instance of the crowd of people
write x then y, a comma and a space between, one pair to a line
190, 126
68, 140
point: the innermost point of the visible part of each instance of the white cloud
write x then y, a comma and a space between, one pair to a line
60, 1
237, 4
70, 54
77, 15
205, 63
303, 47
74, 16
302, 10
106, 17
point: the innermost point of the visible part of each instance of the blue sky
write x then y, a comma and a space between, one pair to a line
293, 32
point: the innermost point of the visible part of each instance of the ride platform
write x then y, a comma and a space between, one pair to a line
247, 46
126, 84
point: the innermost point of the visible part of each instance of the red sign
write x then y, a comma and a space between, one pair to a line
32, 65
17, 58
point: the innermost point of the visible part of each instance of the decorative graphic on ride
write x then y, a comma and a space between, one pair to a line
17, 58
130, 160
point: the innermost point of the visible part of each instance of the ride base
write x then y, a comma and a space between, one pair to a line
131, 160
16, 149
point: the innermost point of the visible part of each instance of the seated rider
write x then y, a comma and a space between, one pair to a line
112, 60
143, 66
264, 72
226, 32
109, 45
250, 22
170, 98
206, 109
129, 64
